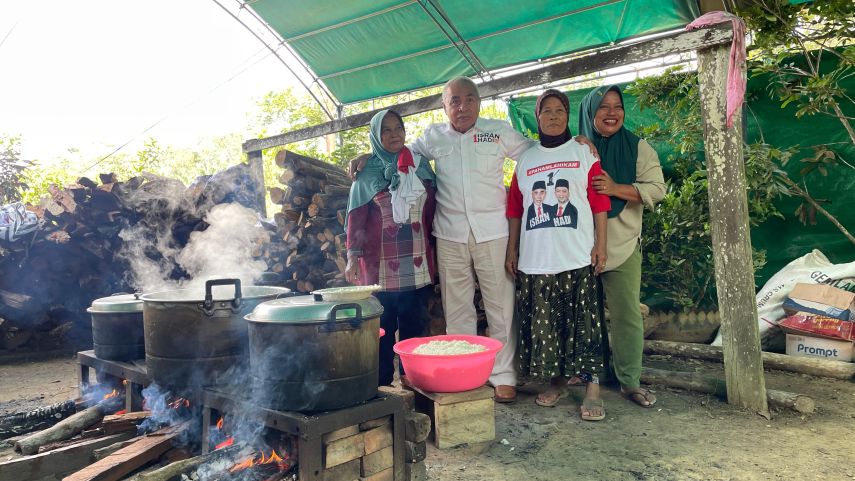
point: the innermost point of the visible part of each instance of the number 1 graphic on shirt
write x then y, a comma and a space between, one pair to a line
550, 175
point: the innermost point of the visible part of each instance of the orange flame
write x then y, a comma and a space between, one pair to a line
248, 462
220, 424
274, 458
228, 442
251, 461
111, 394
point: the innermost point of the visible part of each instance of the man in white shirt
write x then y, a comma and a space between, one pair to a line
470, 224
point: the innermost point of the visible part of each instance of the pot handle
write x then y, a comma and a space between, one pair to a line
209, 296
355, 322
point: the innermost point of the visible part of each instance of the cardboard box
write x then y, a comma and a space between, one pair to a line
815, 325
804, 346
821, 299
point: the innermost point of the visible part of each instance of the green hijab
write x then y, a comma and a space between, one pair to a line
618, 153
381, 169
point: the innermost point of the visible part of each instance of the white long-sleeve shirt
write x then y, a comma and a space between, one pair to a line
470, 189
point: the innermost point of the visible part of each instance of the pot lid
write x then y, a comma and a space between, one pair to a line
311, 309
117, 303
219, 293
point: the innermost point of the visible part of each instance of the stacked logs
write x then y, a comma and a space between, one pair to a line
49, 277
313, 251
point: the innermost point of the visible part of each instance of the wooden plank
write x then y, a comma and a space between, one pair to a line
671, 44
731, 237
465, 422
57, 462
377, 461
771, 360
377, 438
122, 462
348, 471
343, 450
115, 423
477, 394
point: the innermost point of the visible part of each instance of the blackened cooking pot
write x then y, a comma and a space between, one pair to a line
192, 338
307, 354
117, 327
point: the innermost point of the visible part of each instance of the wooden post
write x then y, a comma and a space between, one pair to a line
731, 239
256, 167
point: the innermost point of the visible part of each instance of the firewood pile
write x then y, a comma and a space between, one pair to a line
49, 277
97, 442
312, 252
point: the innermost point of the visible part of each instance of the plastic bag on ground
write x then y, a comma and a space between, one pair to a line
813, 267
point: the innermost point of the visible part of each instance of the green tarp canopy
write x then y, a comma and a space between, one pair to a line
364, 49
783, 240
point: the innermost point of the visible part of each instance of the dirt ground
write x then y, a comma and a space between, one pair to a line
685, 436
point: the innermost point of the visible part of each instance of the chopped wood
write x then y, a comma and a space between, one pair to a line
57, 462
64, 429
115, 423
124, 461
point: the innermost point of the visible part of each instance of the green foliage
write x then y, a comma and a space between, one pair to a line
12, 170
678, 266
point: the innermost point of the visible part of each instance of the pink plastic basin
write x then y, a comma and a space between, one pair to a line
448, 373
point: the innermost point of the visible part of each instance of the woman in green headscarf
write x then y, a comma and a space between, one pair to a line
632, 178
389, 222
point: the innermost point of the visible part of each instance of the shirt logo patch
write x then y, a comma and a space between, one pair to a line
574, 164
485, 137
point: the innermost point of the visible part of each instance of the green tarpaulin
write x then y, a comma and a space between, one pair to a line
782, 240
363, 49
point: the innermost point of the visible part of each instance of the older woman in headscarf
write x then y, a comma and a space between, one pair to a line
389, 219
556, 253
632, 178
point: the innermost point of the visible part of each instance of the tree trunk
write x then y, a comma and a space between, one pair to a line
731, 240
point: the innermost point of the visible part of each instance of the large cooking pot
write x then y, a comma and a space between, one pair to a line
191, 337
117, 327
307, 354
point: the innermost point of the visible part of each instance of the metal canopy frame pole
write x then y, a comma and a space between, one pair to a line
243, 5
674, 43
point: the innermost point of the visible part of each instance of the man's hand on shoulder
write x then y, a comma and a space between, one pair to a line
356, 165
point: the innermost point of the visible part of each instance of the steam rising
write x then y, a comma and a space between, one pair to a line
224, 249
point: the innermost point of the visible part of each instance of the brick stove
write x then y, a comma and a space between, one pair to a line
355, 436
343, 434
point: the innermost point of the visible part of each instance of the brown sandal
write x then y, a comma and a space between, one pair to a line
588, 405
550, 397
641, 396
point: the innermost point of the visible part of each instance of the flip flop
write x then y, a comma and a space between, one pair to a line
558, 393
640, 396
587, 404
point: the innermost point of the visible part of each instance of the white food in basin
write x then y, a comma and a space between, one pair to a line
445, 348
349, 293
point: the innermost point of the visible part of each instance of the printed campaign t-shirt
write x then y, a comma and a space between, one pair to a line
552, 193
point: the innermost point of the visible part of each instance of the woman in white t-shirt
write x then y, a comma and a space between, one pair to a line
556, 247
